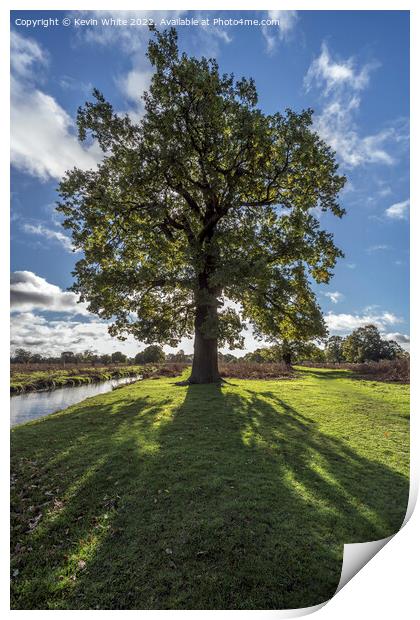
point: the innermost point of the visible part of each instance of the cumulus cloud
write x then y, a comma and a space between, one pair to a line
29, 292
398, 337
130, 39
339, 84
43, 141
35, 332
329, 74
398, 211
32, 296
346, 323
25, 54
135, 83
43, 231
334, 297
286, 23
336, 126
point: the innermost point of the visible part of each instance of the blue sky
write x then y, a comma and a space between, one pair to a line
351, 67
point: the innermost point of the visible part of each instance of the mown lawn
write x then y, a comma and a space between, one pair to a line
157, 496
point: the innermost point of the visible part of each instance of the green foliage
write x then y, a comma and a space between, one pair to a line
152, 353
334, 350
205, 198
118, 358
287, 351
365, 344
179, 356
22, 356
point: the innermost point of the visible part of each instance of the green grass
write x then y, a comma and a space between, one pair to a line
157, 496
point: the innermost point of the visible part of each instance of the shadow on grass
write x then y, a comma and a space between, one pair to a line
227, 501
327, 374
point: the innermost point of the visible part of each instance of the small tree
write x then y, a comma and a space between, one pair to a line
151, 354
334, 350
290, 352
22, 356
67, 357
227, 358
363, 345
259, 356
118, 358
391, 350
179, 356
36, 358
206, 198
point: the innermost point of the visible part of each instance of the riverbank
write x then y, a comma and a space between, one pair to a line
43, 380
240, 496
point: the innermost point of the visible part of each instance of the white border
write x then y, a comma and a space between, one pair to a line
387, 586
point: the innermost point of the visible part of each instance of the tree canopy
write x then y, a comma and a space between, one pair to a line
152, 353
366, 344
202, 207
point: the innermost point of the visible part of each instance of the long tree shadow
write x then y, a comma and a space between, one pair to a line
224, 502
327, 374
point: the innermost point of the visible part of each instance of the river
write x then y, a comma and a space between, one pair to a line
33, 405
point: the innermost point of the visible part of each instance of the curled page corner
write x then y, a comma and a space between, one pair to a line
299, 612
356, 556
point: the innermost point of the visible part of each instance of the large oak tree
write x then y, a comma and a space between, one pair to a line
204, 200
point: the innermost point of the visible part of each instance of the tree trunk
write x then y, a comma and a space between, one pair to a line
205, 367
287, 358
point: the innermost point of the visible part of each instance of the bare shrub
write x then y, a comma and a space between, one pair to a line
254, 370
385, 370
167, 370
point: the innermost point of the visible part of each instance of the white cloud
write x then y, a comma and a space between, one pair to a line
336, 126
132, 85
130, 39
280, 31
48, 233
386, 191
329, 74
25, 54
35, 332
346, 323
43, 142
29, 292
377, 248
334, 297
398, 211
50, 337
135, 83
351, 265
398, 337
339, 84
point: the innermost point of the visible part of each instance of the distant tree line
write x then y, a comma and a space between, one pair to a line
364, 344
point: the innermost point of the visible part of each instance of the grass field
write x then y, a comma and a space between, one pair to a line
157, 496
